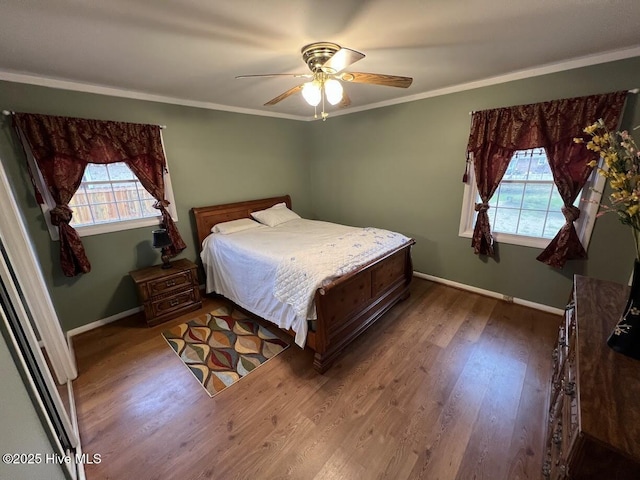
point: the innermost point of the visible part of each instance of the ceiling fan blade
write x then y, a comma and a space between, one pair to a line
341, 60
376, 79
284, 95
296, 75
345, 102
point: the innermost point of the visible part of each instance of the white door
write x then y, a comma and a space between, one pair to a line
34, 332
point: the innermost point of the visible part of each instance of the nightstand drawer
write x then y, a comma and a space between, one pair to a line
172, 282
167, 292
175, 302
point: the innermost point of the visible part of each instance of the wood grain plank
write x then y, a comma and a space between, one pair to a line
438, 388
493, 429
526, 452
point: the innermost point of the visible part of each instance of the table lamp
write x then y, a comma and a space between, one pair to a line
161, 240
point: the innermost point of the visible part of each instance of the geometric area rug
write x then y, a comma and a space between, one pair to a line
222, 346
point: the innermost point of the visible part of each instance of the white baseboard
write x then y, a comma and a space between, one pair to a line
104, 321
461, 286
98, 323
489, 293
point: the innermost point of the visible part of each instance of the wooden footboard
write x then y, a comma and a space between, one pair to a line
348, 305
353, 302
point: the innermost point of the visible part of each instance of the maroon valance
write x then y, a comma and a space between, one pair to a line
496, 135
62, 147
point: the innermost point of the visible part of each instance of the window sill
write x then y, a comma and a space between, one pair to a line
532, 242
118, 226
112, 227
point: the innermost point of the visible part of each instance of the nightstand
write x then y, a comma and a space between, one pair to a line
167, 292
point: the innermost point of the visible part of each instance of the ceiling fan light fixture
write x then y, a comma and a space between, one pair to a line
327, 62
333, 91
312, 93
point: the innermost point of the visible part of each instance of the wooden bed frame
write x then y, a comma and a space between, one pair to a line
346, 306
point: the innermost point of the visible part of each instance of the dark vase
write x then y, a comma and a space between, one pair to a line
625, 337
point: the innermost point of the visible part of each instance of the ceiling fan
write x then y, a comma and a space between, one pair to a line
327, 62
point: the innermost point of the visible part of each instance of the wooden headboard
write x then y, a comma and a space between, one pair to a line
207, 217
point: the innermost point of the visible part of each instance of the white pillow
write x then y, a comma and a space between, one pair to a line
234, 226
275, 215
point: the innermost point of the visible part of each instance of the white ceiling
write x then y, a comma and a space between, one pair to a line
189, 51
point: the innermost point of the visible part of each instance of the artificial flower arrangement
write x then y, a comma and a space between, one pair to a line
622, 168
621, 165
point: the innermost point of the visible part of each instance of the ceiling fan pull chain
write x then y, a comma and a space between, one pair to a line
324, 114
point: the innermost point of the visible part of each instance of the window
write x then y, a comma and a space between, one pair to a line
527, 201
109, 199
110, 193
526, 207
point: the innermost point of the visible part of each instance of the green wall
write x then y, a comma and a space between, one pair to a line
398, 167
401, 167
214, 157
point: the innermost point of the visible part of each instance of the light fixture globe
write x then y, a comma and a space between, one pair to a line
333, 91
312, 93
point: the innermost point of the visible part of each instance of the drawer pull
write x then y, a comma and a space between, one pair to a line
546, 468
170, 283
570, 389
557, 435
174, 302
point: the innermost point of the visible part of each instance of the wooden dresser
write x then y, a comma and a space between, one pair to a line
168, 293
594, 411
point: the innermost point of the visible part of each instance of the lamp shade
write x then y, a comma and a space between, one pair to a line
311, 93
161, 238
333, 91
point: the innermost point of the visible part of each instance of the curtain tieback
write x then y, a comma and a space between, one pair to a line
482, 207
161, 204
61, 214
571, 213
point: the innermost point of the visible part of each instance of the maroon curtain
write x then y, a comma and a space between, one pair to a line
62, 147
497, 134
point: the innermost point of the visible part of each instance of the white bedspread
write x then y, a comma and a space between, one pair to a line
275, 271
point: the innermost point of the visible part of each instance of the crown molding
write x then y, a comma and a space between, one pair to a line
580, 62
585, 61
132, 94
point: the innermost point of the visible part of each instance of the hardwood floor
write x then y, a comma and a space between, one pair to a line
448, 385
